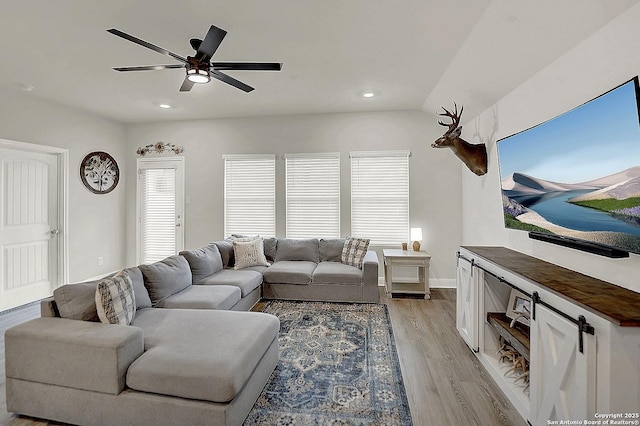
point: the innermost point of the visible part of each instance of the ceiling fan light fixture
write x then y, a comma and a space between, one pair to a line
199, 69
197, 75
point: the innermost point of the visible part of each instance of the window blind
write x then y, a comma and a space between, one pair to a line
250, 195
157, 194
380, 196
313, 195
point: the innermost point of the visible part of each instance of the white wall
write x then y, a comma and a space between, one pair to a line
603, 61
96, 222
434, 181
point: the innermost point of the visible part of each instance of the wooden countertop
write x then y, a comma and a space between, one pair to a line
619, 305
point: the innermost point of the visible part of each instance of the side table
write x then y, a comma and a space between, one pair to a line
410, 258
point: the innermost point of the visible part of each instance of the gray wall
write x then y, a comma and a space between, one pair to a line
603, 61
435, 178
96, 222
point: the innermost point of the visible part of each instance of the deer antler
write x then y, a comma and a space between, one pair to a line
454, 116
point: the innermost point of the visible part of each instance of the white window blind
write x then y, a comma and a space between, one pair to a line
250, 195
159, 209
313, 195
380, 196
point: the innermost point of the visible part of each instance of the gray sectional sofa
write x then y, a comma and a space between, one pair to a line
188, 356
185, 358
301, 269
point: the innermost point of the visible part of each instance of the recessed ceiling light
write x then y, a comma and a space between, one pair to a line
368, 94
165, 106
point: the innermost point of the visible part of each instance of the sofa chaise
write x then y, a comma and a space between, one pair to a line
185, 358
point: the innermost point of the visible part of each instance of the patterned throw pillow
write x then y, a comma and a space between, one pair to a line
354, 250
249, 253
115, 300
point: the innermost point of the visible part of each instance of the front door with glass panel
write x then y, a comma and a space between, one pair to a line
160, 208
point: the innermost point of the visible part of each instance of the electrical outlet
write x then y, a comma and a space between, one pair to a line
100, 260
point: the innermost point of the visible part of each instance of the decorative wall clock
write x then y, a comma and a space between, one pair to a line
99, 172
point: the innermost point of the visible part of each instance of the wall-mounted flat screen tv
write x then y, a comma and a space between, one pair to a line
578, 175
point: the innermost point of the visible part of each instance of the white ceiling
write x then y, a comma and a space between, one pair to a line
414, 54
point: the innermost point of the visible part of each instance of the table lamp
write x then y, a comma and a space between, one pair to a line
416, 237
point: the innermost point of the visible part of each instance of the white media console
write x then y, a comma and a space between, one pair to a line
582, 345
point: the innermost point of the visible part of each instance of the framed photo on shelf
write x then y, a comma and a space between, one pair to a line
519, 307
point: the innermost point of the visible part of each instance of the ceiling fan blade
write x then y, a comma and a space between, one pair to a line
230, 80
146, 44
247, 66
149, 67
210, 43
186, 85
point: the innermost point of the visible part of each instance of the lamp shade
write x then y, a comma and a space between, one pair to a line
416, 234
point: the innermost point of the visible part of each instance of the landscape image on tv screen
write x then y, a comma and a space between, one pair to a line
578, 175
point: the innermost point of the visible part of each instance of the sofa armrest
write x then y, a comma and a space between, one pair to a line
72, 353
49, 308
371, 257
370, 277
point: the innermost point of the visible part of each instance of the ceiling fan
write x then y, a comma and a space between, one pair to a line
199, 69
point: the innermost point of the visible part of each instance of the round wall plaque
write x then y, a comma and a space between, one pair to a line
99, 172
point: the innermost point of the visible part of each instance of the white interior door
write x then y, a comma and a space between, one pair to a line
29, 226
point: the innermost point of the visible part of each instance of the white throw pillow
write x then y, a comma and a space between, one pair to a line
354, 250
115, 300
249, 253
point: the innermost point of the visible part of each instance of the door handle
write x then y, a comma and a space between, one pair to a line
54, 232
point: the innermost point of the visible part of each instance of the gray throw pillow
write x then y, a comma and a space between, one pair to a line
142, 295
77, 301
166, 277
204, 262
226, 252
331, 250
297, 249
270, 245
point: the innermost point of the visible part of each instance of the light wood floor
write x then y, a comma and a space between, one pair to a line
445, 383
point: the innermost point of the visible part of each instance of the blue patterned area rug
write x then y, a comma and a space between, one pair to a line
338, 366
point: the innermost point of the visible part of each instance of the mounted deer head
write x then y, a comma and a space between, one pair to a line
473, 156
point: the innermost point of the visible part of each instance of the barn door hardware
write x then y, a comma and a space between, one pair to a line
581, 322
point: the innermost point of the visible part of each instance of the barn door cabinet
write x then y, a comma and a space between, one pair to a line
582, 343
467, 304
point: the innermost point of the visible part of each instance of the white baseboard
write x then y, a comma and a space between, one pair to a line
442, 283
433, 282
